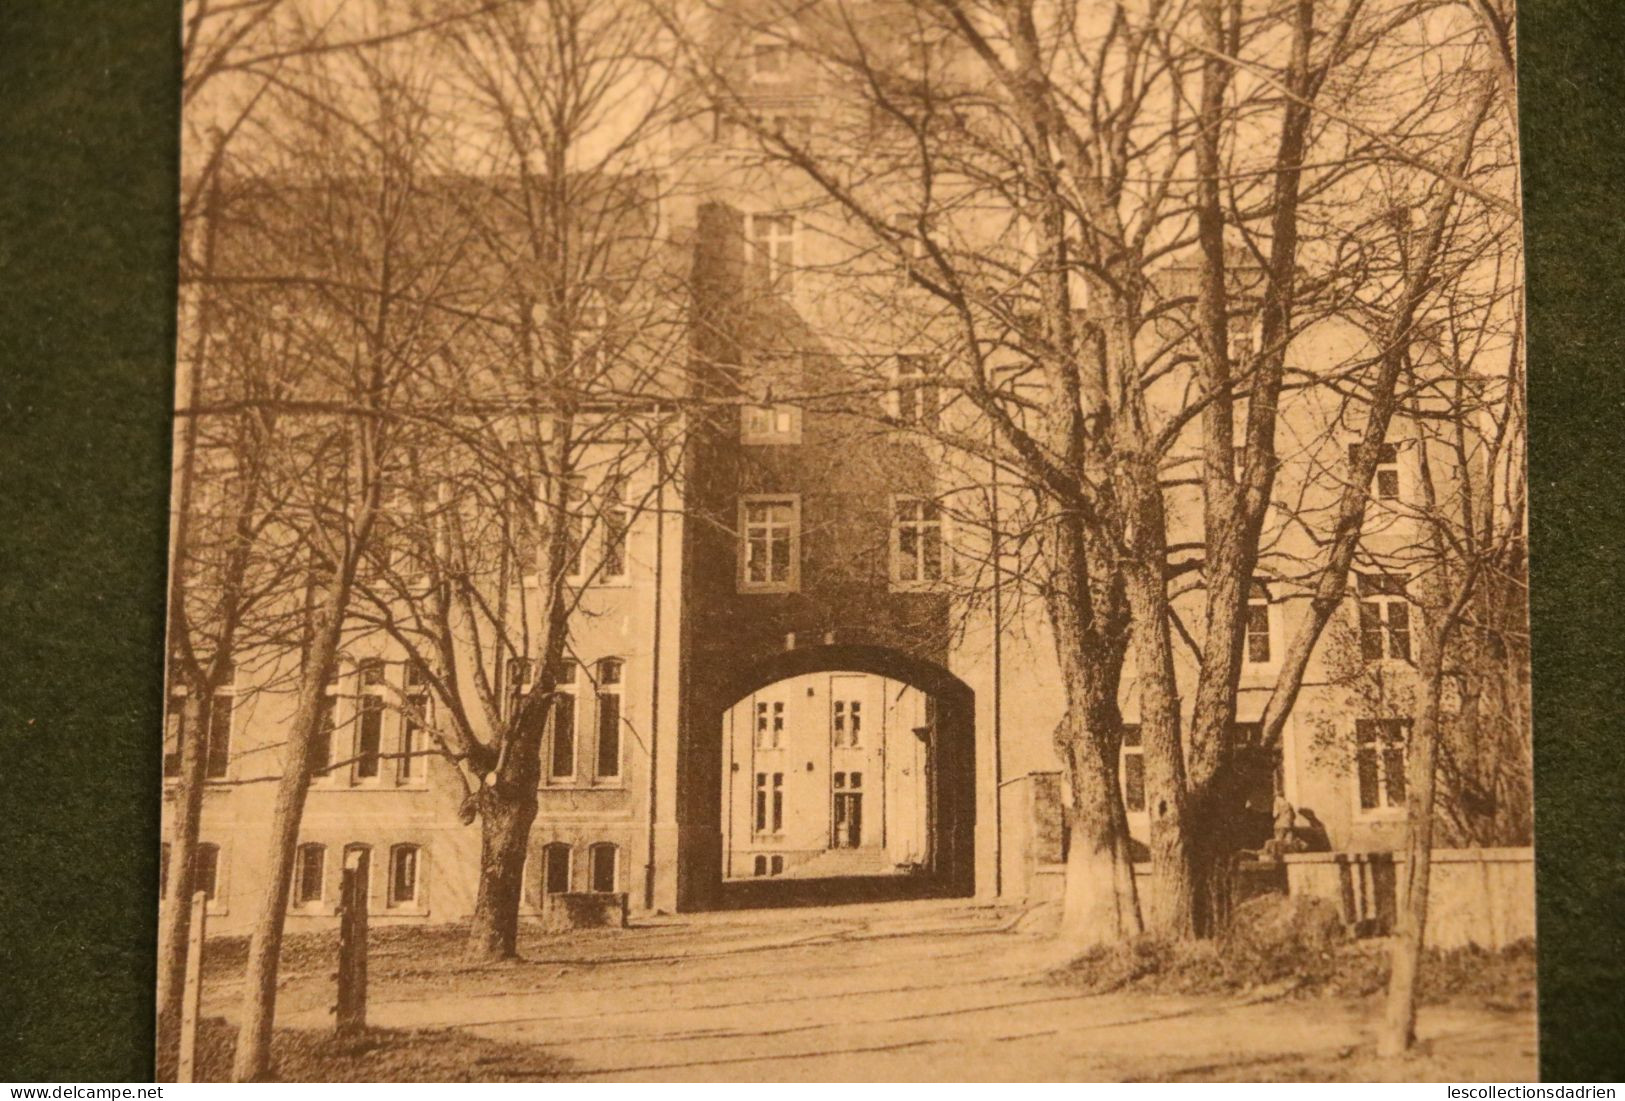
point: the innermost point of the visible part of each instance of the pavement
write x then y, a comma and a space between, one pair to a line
928, 990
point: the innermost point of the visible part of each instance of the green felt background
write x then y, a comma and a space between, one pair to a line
88, 137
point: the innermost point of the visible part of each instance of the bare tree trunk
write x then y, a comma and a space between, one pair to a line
507, 809
175, 920
253, 1059
1100, 904
1398, 1030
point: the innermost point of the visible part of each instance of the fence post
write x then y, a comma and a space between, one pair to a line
351, 1011
192, 994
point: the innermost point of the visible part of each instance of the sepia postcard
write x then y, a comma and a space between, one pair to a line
848, 540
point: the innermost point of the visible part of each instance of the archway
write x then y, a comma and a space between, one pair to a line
845, 773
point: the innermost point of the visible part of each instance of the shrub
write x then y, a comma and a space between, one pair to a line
1274, 937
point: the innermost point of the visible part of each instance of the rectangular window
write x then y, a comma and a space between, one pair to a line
520, 672
617, 521
1385, 482
770, 529
573, 498
163, 870
403, 875
309, 874
219, 748
916, 391
847, 722
174, 732
1133, 766
769, 724
601, 859
778, 802
321, 749
609, 719
769, 424
556, 868
369, 737
773, 238
1258, 631
1380, 762
916, 541
562, 757
1385, 617
761, 803
775, 865
206, 869
407, 767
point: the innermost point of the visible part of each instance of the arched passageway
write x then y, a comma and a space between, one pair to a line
846, 773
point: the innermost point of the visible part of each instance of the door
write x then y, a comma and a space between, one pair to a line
848, 819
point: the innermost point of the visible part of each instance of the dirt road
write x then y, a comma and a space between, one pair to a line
894, 991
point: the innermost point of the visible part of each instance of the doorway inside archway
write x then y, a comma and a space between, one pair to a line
843, 785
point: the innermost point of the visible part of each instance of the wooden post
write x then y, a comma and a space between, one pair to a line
192, 994
351, 1010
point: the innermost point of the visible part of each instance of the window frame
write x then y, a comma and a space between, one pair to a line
569, 857
772, 435
614, 867
604, 690
566, 700
776, 45
1387, 464
612, 494
1131, 746
392, 900
1386, 732
1258, 596
371, 701
1382, 593
776, 253
922, 409
920, 527
412, 771
298, 901
792, 582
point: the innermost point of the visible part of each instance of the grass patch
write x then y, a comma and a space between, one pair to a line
376, 1055
1300, 942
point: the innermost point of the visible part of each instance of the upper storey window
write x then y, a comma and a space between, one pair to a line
770, 531
770, 424
1385, 617
916, 391
916, 541
773, 240
1385, 482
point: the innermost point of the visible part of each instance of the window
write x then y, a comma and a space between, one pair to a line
163, 870
416, 716
769, 59
174, 733
217, 735
846, 822
1385, 617
846, 724
1386, 480
769, 724
369, 733
601, 860
520, 673
916, 541
561, 757
309, 874
775, 865
1133, 768
1380, 762
769, 424
1258, 650
767, 865
616, 520
206, 869
916, 391
609, 719
573, 495
403, 876
759, 865
773, 239
556, 868
591, 325
769, 805
321, 750
770, 527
